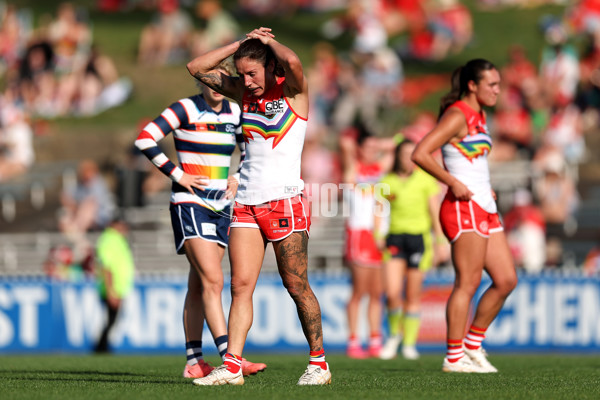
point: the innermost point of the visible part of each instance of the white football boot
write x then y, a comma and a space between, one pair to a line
220, 376
315, 375
464, 365
410, 353
390, 348
479, 357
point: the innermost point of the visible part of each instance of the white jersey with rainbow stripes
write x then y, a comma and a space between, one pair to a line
467, 160
274, 136
204, 140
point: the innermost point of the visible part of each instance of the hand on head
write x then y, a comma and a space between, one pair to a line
263, 34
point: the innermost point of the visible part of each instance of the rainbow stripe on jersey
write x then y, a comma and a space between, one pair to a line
466, 160
276, 127
204, 140
474, 146
274, 135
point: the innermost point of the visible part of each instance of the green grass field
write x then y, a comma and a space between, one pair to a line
159, 377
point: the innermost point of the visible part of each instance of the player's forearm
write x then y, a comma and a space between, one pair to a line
285, 55
148, 145
288, 60
207, 62
428, 164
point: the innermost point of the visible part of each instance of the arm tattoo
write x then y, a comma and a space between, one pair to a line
212, 80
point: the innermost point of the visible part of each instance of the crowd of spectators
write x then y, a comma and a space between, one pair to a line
52, 68
49, 69
495, 4
427, 30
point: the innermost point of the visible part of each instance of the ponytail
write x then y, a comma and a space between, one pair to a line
471, 71
455, 92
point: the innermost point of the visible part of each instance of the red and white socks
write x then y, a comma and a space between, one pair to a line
318, 358
472, 342
233, 363
454, 350
474, 337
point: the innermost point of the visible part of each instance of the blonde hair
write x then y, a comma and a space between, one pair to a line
227, 66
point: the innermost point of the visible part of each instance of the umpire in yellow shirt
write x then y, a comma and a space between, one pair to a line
115, 267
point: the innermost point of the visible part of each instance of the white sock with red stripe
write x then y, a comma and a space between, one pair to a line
318, 358
233, 363
455, 350
474, 338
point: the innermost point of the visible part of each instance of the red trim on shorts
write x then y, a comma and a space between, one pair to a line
458, 216
276, 219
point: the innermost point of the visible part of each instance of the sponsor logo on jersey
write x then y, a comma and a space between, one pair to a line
268, 108
275, 106
271, 120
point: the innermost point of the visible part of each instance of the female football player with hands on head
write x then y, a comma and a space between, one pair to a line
468, 213
205, 130
270, 207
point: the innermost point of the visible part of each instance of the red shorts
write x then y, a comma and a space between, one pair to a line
361, 248
276, 219
457, 217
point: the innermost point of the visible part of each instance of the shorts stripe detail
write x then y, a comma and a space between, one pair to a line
194, 221
293, 217
244, 225
306, 218
180, 245
474, 221
458, 221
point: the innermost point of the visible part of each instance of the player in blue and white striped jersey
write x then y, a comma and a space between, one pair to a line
206, 128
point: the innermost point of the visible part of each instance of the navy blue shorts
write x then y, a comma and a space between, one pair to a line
411, 248
191, 220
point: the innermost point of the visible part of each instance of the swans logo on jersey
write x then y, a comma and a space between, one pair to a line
270, 107
479, 128
252, 107
274, 107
